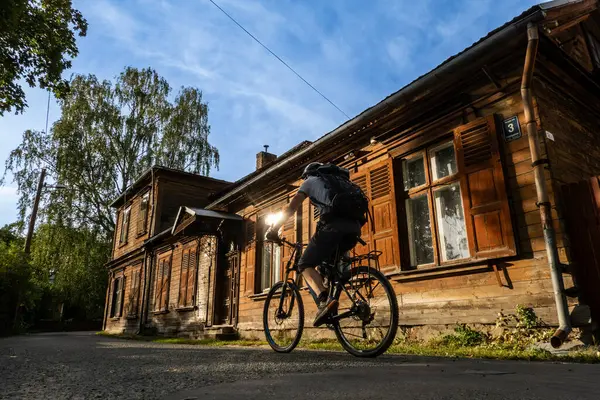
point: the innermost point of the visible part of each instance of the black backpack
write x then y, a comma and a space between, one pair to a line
347, 198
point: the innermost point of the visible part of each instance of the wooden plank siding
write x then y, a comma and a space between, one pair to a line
462, 297
176, 317
134, 239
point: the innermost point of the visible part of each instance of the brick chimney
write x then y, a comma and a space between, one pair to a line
264, 157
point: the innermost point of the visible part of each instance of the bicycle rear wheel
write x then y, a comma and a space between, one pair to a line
283, 326
369, 309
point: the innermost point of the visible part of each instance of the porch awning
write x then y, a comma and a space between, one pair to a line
188, 215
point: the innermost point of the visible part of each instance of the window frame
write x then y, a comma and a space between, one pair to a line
261, 229
428, 189
117, 297
142, 227
125, 223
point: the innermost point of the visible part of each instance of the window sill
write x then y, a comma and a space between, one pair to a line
115, 318
139, 235
258, 296
132, 316
121, 245
184, 309
437, 271
159, 312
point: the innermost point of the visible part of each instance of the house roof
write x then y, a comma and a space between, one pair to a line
143, 178
405, 95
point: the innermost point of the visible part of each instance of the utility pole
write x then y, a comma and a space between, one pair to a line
36, 204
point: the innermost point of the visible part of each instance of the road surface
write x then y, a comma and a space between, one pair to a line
86, 366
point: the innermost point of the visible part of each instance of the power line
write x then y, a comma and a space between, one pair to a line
277, 57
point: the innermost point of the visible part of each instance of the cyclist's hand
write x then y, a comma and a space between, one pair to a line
273, 235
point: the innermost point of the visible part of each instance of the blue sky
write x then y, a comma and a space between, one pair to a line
356, 52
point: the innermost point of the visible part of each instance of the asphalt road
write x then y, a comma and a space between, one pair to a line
85, 366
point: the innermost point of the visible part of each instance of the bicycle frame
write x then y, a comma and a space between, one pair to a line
334, 290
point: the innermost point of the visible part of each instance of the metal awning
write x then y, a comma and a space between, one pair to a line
188, 215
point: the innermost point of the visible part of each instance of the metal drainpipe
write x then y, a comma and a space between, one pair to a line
543, 201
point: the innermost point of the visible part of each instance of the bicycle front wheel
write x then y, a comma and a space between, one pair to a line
283, 317
367, 312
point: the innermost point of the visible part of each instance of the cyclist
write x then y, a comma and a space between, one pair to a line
333, 232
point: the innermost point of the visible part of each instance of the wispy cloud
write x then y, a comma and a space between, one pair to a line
356, 52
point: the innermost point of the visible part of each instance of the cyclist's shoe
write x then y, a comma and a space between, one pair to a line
325, 310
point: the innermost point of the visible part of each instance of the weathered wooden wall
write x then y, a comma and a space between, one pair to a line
471, 294
175, 192
134, 240
127, 322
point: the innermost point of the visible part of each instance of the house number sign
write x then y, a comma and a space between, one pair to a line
512, 129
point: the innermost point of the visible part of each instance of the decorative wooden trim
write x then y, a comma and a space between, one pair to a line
160, 312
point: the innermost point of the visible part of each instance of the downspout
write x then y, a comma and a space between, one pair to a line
543, 201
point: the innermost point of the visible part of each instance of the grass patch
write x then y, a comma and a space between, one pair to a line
441, 347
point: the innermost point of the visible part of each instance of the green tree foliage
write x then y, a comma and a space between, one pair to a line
107, 135
37, 38
69, 262
16, 286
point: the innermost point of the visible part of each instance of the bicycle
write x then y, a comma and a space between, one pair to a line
355, 313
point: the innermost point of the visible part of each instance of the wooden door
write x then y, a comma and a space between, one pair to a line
582, 215
233, 270
226, 289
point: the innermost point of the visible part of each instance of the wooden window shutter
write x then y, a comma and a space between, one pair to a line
159, 282
113, 289
132, 307
185, 259
250, 255
143, 215
384, 224
165, 287
381, 231
191, 281
121, 296
487, 212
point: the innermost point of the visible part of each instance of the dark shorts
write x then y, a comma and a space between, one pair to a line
329, 237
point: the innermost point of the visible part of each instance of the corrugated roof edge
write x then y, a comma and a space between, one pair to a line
533, 13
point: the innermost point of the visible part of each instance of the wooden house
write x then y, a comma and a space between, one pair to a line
474, 172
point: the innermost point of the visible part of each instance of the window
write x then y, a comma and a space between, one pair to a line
134, 294
456, 206
142, 222
125, 225
187, 281
163, 273
117, 297
268, 260
434, 198
270, 268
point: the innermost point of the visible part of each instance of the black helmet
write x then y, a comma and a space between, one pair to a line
311, 169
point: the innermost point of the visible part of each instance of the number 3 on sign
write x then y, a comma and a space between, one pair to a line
512, 129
